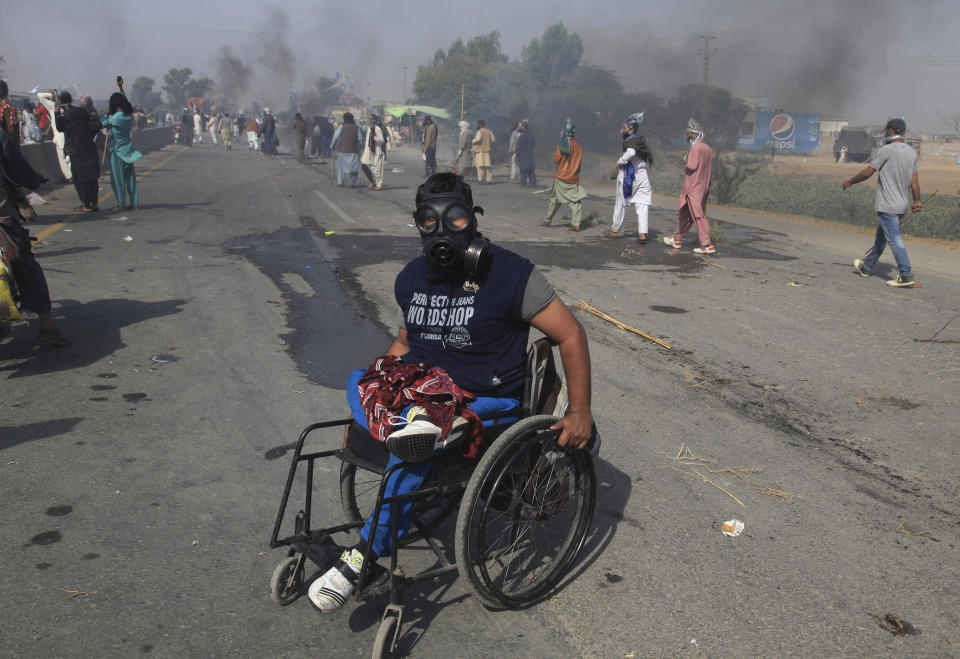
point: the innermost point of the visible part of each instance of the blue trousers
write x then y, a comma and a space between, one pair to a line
888, 231
410, 476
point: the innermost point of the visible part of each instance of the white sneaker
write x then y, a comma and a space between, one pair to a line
420, 438
338, 584
858, 266
709, 249
670, 241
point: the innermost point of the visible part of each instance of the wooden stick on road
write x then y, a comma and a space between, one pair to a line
599, 314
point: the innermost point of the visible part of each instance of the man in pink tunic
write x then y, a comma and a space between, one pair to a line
696, 186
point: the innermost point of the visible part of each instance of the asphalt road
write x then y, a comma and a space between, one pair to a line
141, 468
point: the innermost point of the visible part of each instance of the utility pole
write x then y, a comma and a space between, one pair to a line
705, 53
404, 99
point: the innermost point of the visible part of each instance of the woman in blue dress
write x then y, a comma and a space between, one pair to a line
123, 176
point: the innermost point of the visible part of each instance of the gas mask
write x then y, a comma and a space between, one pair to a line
448, 228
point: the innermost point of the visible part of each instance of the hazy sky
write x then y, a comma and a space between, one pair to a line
860, 60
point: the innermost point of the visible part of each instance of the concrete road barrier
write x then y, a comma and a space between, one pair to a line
44, 159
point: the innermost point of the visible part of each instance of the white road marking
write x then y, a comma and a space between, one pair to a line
336, 209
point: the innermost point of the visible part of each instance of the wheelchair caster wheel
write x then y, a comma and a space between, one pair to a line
286, 584
387, 633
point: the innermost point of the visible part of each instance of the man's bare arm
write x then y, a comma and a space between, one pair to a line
399, 346
556, 321
915, 190
864, 174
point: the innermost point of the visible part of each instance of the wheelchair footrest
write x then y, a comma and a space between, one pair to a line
319, 547
377, 582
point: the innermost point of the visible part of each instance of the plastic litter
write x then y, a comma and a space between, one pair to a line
398, 170
328, 233
163, 359
35, 199
128, 238
122, 218
732, 528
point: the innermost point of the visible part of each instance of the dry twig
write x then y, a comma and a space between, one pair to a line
75, 593
710, 482
599, 314
708, 261
900, 529
934, 339
688, 458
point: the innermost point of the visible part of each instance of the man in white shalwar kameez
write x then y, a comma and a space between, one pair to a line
374, 152
633, 181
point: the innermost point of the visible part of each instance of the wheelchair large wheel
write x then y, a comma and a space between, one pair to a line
358, 493
524, 516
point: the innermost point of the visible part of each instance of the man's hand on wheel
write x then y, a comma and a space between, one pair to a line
575, 429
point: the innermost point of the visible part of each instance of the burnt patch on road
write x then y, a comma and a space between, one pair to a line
333, 331
135, 397
45, 538
58, 511
899, 403
667, 309
279, 451
103, 387
106, 376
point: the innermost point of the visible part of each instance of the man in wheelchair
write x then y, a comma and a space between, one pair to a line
467, 306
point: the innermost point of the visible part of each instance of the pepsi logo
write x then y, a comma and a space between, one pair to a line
782, 127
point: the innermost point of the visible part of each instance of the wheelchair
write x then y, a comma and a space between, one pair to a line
525, 507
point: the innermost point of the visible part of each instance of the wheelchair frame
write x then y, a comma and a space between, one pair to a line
542, 387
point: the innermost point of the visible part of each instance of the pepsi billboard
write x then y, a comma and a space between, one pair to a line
787, 131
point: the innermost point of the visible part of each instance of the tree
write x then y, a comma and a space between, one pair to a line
175, 85
486, 48
551, 60
198, 88
143, 94
726, 111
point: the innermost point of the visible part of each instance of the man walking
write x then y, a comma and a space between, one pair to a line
430, 135
252, 129
268, 130
525, 162
698, 163
462, 161
186, 127
899, 169
212, 126
375, 152
79, 128
34, 293
482, 145
226, 131
198, 127
300, 135
346, 142
514, 170
566, 183
633, 182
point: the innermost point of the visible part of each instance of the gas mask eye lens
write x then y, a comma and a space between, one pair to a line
456, 218
426, 220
